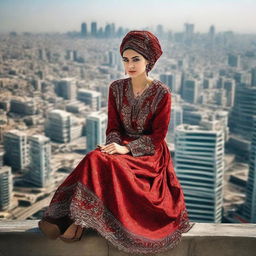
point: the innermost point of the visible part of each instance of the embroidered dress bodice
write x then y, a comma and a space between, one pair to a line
135, 116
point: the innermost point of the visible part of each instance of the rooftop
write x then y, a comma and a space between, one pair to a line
23, 238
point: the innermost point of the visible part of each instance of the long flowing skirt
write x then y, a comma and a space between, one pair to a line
136, 203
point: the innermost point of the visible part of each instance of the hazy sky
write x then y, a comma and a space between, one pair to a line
67, 15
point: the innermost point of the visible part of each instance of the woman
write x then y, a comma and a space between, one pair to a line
127, 189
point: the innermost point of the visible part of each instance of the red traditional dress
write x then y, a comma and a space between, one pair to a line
133, 200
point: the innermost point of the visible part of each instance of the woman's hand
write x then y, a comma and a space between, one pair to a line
113, 148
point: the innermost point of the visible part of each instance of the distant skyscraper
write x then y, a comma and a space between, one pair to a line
62, 126
66, 88
113, 29
189, 29
208, 83
199, 164
16, 151
160, 31
83, 29
72, 55
23, 106
243, 77
250, 202
241, 116
92, 98
212, 30
229, 86
190, 90
94, 29
189, 33
108, 31
169, 80
176, 119
253, 77
233, 60
211, 33
42, 54
40, 158
6, 187
113, 58
96, 125
220, 97
1, 158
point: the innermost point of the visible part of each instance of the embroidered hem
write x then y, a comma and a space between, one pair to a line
88, 211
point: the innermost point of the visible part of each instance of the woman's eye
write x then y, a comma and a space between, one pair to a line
133, 60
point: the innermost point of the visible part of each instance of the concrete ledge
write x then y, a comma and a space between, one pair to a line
23, 238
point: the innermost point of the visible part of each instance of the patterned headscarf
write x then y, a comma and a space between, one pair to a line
145, 43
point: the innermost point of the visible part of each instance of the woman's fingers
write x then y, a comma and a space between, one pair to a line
109, 149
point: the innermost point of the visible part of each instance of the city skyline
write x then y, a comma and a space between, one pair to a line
63, 16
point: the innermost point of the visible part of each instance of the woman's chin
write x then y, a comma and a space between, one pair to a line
134, 75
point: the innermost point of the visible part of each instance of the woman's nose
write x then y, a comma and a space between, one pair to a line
130, 65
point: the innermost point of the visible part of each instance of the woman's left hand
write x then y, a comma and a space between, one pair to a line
113, 148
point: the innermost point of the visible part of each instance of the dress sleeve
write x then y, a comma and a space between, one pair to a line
114, 127
146, 144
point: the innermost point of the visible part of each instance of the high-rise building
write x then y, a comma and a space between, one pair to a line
92, 98
1, 158
16, 149
42, 54
94, 29
189, 33
189, 29
220, 97
108, 31
249, 210
62, 126
212, 32
208, 83
24, 106
199, 164
6, 187
40, 156
66, 88
190, 90
229, 86
176, 120
233, 60
243, 77
169, 80
253, 77
83, 29
71, 55
160, 31
241, 116
96, 125
113, 58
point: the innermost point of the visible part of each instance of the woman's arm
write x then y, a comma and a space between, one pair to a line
146, 144
114, 127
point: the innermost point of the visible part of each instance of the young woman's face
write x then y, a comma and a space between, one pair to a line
134, 63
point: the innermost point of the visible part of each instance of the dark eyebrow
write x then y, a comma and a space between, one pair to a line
132, 57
